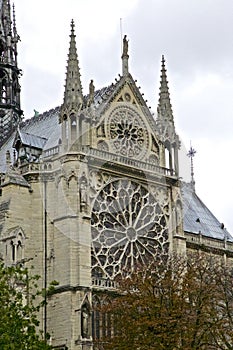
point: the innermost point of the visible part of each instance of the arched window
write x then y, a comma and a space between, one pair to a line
2, 51
12, 251
19, 250
102, 322
66, 130
107, 324
73, 123
15, 90
3, 86
96, 318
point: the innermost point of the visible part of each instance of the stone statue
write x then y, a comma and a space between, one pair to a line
125, 46
83, 192
85, 322
91, 92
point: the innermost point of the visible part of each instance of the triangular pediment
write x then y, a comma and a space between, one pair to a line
124, 90
125, 125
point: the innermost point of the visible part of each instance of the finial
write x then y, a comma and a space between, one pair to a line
191, 153
14, 21
163, 61
72, 27
163, 73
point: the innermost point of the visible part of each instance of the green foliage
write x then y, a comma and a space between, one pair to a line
182, 303
18, 321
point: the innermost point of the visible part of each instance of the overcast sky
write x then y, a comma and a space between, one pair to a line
194, 35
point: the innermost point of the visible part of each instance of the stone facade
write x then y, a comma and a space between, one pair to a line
92, 189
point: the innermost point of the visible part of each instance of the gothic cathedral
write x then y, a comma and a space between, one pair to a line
91, 189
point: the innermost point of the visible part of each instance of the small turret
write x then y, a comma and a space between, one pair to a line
165, 123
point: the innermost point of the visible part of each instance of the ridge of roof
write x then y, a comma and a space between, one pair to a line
40, 117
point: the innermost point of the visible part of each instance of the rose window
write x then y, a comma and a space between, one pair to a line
128, 133
128, 228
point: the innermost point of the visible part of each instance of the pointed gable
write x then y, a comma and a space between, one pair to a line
124, 123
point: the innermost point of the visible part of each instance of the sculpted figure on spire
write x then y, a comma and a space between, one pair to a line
125, 46
125, 56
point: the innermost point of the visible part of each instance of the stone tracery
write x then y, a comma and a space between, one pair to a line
128, 133
129, 228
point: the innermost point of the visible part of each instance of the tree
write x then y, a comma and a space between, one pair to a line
181, 303
19, 310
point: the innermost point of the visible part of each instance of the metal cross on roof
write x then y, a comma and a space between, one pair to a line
191, 153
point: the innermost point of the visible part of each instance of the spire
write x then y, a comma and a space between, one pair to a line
165, 123
73, 96
191, 153
164, 105
6, 17
165, 120
10, 111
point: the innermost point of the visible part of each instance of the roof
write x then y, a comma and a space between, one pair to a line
42, 125
198, 218
43, 130
32, 140
45, 126
13, 177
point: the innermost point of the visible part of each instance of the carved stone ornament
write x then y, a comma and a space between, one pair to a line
97, 180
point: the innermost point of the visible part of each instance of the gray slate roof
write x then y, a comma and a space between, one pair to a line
14, 177
198, 218
32, 140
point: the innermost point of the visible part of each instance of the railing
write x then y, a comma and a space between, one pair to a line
35, 167
30, 167
103, 283
105, 157
116, 158
51, 151
208, 242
